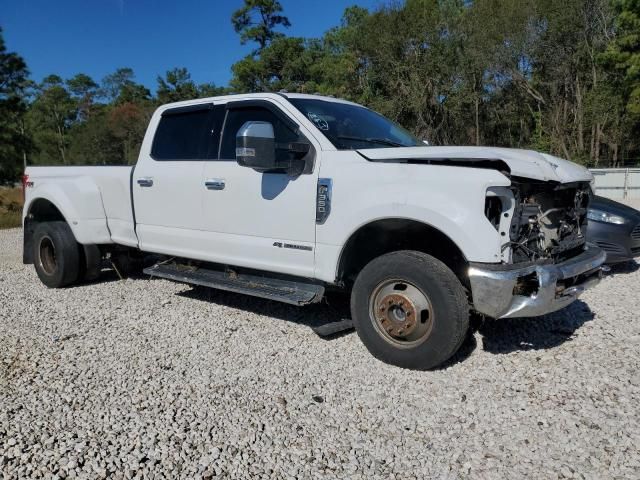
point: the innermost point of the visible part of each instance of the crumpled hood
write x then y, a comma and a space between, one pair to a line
521, 163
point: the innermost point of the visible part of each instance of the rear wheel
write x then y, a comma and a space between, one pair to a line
56, 255
410, 310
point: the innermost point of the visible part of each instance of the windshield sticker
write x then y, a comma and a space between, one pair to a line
319, 122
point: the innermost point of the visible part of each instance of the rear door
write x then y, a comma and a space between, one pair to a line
167, 181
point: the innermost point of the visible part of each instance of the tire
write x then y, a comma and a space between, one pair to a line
410, 310
56, 254
90, 263
127, 264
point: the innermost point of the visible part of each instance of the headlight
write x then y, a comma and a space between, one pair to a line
600, 216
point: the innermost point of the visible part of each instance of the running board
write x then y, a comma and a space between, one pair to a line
287, 291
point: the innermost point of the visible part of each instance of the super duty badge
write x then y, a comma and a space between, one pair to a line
323, 200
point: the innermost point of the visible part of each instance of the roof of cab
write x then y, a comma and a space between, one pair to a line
246, 96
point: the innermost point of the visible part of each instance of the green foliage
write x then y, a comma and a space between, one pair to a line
13, 84
119, 87
558, 76
256, 22
623, 53
50, 117
286, 64
561, 77
176, 85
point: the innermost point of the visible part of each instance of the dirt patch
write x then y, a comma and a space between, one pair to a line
10, 207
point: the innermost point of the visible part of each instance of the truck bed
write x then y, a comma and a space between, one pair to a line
96, 200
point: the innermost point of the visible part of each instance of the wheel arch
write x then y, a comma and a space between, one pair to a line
385, 235
77, 201
40, 209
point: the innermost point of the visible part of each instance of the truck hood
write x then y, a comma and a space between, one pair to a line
520, 163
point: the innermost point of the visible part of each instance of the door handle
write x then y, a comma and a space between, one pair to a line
145, 182
215, 184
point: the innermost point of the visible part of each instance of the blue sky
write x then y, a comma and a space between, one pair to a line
151, 36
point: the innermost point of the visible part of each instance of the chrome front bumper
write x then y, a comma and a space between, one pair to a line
497, 289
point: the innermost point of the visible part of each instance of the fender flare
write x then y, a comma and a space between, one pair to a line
88, 226
352, 234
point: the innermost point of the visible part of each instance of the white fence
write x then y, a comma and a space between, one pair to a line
617, 183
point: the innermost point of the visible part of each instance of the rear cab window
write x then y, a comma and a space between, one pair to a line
188, 133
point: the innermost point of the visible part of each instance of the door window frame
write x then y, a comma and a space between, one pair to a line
289, 122
206, 151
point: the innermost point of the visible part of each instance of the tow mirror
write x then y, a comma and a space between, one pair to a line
256, 146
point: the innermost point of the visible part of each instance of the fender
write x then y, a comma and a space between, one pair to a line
448, 199
80, 203
329, 257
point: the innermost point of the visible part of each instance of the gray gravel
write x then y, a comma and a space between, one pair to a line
150, 378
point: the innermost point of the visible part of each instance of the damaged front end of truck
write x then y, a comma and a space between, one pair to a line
546, 262
540, 218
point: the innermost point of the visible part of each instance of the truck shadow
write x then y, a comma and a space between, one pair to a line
538, 333
333, 308
498, 336
624, 267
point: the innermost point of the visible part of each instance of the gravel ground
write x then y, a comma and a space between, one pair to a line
150, 378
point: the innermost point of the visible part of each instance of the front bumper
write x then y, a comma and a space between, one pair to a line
504, 291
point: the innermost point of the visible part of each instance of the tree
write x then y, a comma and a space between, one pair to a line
92, 142
175, 86
119, 87
14, 142
113, 83
83, 89
133, 93
211, 90
127, 123
623, 52
561, 77
256, 22
283, 65
52, 113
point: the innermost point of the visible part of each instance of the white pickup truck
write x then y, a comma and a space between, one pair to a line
284, 196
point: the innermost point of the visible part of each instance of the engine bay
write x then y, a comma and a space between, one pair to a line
548, 220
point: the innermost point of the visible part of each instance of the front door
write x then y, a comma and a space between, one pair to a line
260, 220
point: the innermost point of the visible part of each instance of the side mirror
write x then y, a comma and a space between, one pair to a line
256, 146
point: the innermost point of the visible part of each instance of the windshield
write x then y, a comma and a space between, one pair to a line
350, 127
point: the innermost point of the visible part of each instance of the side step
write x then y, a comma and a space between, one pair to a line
288, 291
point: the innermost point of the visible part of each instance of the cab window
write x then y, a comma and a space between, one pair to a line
237, 117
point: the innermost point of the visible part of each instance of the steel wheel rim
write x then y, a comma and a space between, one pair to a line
47, 254
401, 313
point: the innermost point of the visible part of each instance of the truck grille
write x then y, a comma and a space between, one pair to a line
635, 234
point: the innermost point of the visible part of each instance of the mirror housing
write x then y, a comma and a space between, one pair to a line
256, 146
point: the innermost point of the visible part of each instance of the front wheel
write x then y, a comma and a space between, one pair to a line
410, 310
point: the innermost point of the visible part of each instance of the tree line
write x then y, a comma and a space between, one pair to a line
557, 76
